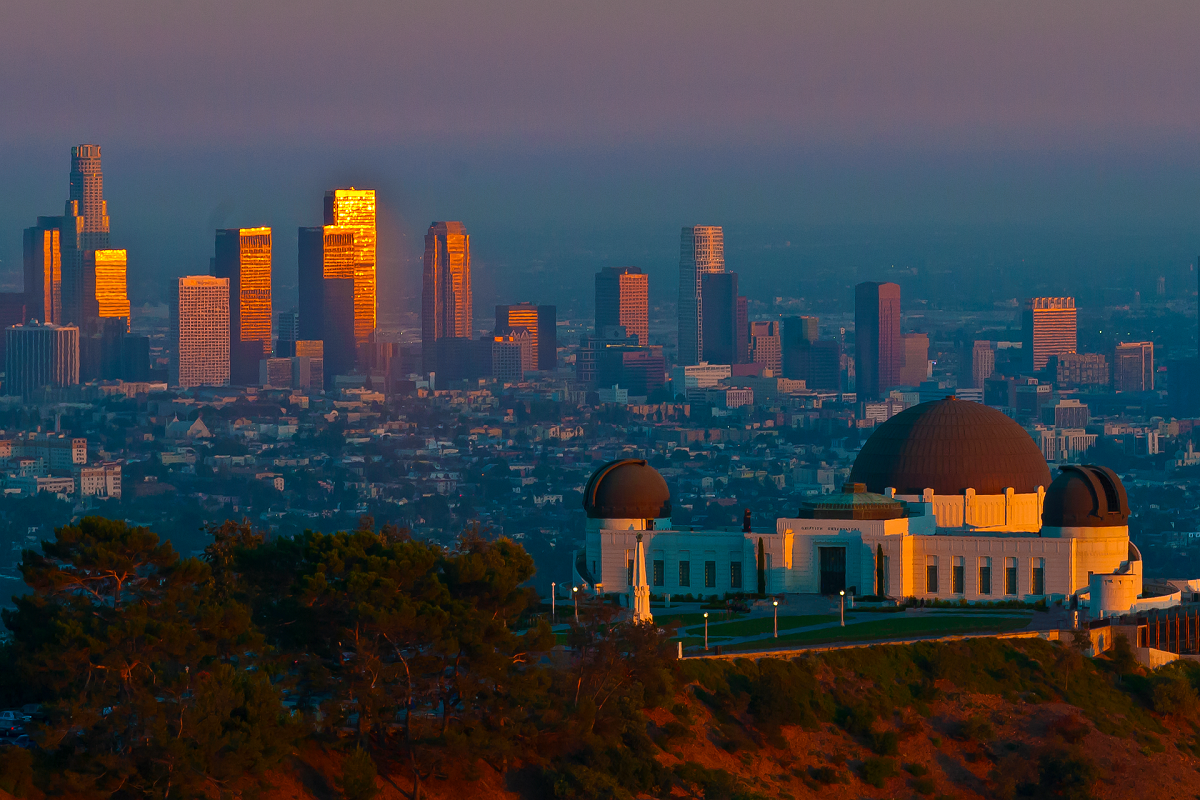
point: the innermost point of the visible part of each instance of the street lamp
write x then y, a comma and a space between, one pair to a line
575, 596
776, 604
705, 630
842, 601
553, 616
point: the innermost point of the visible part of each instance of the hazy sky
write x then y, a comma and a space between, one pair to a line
1038, 143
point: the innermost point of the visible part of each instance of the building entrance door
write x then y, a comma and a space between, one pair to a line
833, 569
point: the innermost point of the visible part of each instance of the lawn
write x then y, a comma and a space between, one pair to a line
760, 625
896, 629
688, 619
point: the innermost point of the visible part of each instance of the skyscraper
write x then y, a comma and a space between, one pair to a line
446, 305
287, 331
765, 346
547, 360
797, 337
84, 227
355, 209
326, 278
1048, 329
701, 251
719, 326
200, 332
1133, 367
622, 298
243, 256
43, 272
915, 352
520, 317
877, 355
12, 312
976, 363
742, 330
105, 286
38, 355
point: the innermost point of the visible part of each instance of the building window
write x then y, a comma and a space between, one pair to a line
658, 573
628, 570
960, 575
1039, 576
710, 574
685, 573
985, 575
931, 576
1010, 576
735, 574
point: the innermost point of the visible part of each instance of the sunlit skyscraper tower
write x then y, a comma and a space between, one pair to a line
243, 255
327, 268
701, 251
446, 305
200, 332
355, 208
622, 298
878, 347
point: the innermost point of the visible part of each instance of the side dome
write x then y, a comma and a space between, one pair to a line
950, 446
627, 489
1086, 496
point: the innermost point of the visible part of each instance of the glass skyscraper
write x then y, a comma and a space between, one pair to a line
355, 209
701, 251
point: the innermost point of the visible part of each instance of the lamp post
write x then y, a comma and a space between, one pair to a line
705, 630
575, 597
842, 602
776, 604
553, 615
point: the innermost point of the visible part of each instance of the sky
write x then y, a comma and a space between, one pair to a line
996, 148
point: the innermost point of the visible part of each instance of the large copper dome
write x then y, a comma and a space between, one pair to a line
949, 446
627, 489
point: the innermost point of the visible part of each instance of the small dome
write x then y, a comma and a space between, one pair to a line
950, 446
1086, 497
627, 489
854, 502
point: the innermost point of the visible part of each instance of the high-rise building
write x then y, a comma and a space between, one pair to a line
326, 284
509, 356
84, 227
243, 256
135, 358
287, 331
1076, 370
640, 370
12, 312
522, 317
105, 286
355, 209
622, 298
701, 251
1133, 367
824, 373
797, 337
308, 364
1048, 329
877, 344
43, 272
719, 334
765, 346
976, 363
39, 355
547, 360
742, 330
592, 348
915, 367
446, 304
200, 332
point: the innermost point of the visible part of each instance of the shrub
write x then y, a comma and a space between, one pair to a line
876, 771
916, 770
924, 785
16, 771
1175, 695
975, 729
1070, 729
824, 775
1066, 773
1122, 656
358, 776
886, 743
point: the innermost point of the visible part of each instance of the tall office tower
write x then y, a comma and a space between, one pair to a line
824, 372
446, 305
287, 331
84, 226
1048, 329
765, 346
798, 335
105, 286
1133, 367
976, 363
877, 354
326, 277
915, 367
43, 272
135, 358
719, 326
243, 257
547, 360
743, 330
355, 209
200, 332
520, 317
39, 355
701, 251
308, 364
623, 298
